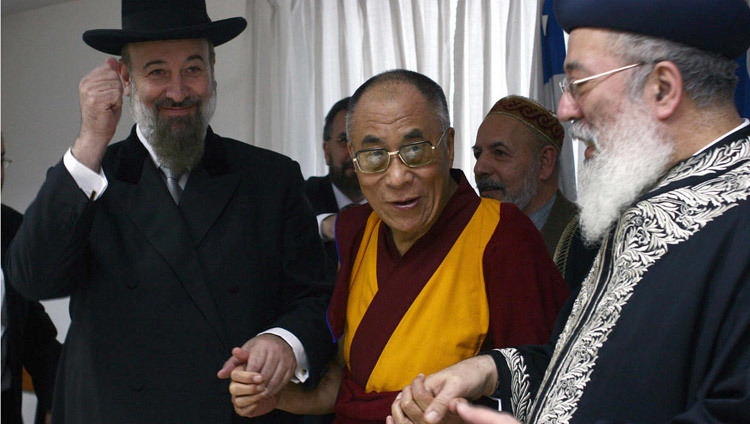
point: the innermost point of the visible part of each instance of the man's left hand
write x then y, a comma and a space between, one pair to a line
268, 355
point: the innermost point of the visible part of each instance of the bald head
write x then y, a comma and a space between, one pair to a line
390, 81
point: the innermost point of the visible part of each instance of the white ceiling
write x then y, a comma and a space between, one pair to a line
14, 6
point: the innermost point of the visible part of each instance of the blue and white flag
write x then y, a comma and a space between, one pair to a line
553, 57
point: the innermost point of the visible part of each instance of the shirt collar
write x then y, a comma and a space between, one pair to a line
745, 122
342, 199
539, 216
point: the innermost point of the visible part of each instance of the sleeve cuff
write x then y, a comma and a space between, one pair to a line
320, 218
503, 374
92, 183
302, 372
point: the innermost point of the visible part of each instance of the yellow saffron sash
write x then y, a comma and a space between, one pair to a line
449, 319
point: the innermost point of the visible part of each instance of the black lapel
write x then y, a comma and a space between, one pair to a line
149, 205
209, 188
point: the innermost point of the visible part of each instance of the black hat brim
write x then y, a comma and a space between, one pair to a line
113, 40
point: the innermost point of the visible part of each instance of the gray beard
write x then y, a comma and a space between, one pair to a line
178, 142
521, 197
632, 154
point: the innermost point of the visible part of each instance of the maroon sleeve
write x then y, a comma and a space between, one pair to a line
350, 225
524, 288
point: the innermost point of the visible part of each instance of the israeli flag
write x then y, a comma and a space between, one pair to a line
742, 94
553, 56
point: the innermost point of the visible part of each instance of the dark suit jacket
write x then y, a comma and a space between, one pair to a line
160, 293
320, 192
31, 339
562, 211
573, 257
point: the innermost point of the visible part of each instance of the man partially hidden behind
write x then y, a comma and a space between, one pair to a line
659, 331
175, 244
29, 338
430, 273
340, 188
517, 147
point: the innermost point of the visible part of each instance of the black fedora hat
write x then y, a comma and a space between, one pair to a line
153, 20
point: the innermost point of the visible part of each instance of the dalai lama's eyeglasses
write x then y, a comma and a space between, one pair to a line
413, 155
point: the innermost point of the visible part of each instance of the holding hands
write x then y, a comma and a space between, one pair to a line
434, 399
259, 370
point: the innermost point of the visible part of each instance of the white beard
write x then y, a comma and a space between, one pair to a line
631, 155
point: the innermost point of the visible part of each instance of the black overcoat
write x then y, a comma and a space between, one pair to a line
160, 293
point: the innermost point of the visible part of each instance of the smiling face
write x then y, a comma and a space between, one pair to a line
508, 165
600, 101
173, 96
408, 200
627, 147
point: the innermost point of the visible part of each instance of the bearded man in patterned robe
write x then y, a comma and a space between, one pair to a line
660, 330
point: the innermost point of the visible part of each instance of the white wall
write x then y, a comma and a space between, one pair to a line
43, 59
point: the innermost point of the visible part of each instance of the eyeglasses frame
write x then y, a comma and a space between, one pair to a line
566, 86
398, 153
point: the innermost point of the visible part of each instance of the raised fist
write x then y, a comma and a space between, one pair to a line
100, 95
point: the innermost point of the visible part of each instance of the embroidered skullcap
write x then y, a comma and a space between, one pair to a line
720, 26
533, 115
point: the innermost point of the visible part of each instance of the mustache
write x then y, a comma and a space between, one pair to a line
487, 183
187, 102
583, 133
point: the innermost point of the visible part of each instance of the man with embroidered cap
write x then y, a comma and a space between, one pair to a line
174, 245
516, 150
430, 272
659, 330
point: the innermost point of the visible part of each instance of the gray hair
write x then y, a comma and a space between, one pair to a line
708, 78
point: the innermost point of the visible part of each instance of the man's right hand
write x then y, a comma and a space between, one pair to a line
100, 94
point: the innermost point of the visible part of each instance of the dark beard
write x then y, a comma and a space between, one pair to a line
179, 141
348, 185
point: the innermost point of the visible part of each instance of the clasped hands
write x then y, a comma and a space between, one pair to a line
259, 370
441, 397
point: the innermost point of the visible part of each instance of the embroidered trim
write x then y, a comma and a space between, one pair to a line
520, 399
712, 160
643, 235
560, 257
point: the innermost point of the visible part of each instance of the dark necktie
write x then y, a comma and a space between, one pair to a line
173, 183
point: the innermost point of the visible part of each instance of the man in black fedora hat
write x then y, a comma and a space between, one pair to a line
660, 329
174, 245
